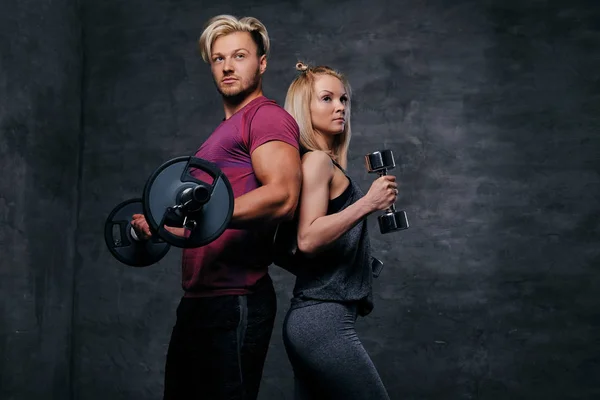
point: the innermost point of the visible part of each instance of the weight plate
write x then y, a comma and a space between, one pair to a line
163, 191
117, 235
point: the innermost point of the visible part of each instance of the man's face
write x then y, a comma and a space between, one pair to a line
235, 65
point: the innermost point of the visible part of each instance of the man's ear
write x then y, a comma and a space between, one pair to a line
263, 63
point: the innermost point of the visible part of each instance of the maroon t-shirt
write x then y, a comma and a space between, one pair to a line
237, 259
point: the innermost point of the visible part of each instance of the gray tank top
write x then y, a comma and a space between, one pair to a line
342, 272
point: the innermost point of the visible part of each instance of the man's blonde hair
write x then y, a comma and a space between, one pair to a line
297, 104
222, 25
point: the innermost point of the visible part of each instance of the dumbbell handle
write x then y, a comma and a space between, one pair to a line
192, 199
134, 235
392, 208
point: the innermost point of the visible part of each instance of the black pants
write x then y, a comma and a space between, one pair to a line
219, 345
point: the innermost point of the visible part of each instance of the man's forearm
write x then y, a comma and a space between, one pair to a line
175, 231
267, 204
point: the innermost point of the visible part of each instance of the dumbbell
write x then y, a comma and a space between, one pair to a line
381, 162
172, 197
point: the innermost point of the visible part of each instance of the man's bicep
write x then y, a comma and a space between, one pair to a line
277, 162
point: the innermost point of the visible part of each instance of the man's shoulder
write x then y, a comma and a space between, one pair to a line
266, 107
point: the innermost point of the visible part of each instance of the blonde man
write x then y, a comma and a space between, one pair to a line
332, 261
225, 318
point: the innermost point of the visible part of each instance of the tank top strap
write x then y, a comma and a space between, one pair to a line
303, 151
339, 166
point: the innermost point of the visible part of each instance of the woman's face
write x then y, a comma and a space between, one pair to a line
328, 105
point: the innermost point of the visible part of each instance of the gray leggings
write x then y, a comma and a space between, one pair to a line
327, 356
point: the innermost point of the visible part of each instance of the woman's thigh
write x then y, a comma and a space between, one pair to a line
328, 358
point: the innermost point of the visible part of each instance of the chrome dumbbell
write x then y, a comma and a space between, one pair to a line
380, 162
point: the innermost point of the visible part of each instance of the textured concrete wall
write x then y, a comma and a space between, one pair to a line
490, 107
40, 65
490, 110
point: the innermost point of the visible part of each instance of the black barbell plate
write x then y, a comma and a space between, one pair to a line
161, 193
123, 246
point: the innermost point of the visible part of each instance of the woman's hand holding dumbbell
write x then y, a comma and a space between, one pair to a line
382, 193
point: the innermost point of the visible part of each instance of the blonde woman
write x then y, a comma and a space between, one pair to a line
332, 262
225, 317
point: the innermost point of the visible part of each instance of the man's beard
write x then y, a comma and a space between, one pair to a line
239, 95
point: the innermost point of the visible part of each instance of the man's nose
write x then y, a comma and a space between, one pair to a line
227, 65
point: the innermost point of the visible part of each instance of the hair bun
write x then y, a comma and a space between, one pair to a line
300, 66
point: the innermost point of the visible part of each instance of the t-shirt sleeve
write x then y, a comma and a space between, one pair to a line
271, 122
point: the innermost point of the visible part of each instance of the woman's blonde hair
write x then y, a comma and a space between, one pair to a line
222, 25
297, 103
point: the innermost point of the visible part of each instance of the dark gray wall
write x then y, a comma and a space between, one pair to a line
490, 107
40, 65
